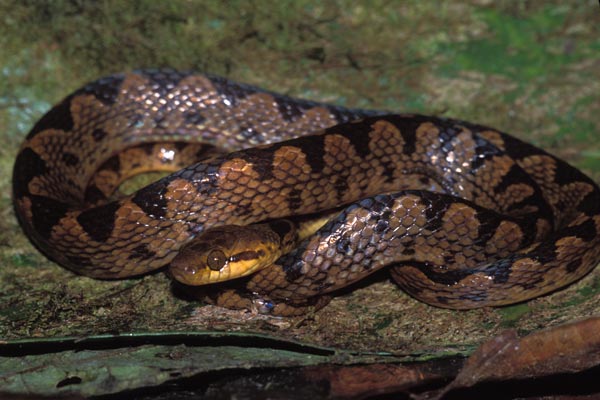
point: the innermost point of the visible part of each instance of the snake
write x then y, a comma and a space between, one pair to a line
463, 215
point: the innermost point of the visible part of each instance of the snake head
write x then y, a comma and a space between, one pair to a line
224, 253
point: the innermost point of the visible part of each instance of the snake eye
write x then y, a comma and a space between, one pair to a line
216, 260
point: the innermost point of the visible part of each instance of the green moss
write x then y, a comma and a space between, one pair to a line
585, 293
382, 322
511, 47
512, 314
21, 260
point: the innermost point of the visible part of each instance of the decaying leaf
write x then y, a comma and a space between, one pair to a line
566, 348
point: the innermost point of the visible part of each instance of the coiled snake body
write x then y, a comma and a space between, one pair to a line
466, 215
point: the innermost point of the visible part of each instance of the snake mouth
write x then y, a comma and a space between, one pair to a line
198, 274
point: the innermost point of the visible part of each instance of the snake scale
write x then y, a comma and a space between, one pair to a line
464, 215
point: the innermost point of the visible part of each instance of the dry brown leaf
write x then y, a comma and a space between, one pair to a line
568, 348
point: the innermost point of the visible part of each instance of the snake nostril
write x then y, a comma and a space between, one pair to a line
190, 270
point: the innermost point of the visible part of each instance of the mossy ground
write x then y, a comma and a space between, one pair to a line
530, 68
